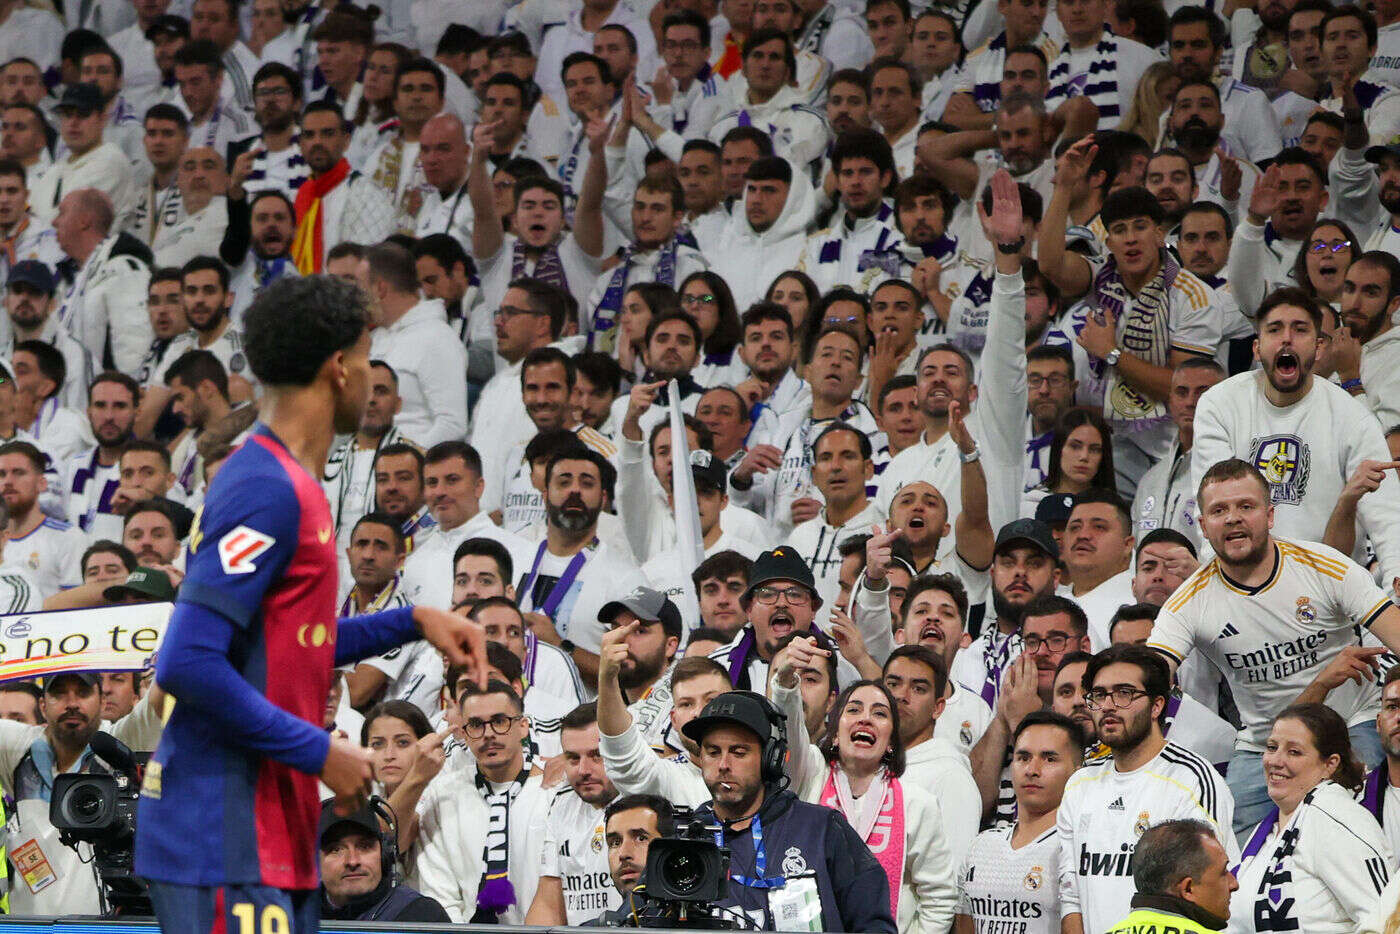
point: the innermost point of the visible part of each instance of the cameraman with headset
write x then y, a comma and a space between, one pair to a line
359, 870
793, 865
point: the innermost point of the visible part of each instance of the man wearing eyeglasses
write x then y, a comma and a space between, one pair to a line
482, 831
276, 161
1112, 801
782, 598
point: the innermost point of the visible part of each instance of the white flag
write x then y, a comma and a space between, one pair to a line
690, 543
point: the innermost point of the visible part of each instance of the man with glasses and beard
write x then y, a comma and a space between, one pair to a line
572, 574
781, 598
1110, 802
1306, 435
272, 160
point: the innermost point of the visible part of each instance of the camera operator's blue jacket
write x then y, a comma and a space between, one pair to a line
800, 838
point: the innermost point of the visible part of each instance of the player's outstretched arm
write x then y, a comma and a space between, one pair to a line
462, 641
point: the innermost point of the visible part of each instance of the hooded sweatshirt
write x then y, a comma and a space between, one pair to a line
748, 259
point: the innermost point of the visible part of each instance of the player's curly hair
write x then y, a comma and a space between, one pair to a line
295, 324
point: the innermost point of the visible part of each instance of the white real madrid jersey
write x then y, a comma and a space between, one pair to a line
1104, 811
1272, 640
577, 855
1004, 889
52, 553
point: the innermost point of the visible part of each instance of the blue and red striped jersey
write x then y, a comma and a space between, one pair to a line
215, 810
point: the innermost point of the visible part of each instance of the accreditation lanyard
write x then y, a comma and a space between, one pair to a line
760, 861
561, 587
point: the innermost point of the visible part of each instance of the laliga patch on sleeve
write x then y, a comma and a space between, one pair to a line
239, 548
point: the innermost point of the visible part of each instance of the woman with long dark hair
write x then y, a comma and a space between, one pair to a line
705, 296
856, 770
1319, 861
1081, 457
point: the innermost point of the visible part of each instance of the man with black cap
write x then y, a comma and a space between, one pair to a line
1023, 568
790, 862
669, 571
89, 162
60, 880
28, 304
781, 598
359, 875
653, 626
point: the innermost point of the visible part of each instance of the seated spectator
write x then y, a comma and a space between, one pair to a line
358, 872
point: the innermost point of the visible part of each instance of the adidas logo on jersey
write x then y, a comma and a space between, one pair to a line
1228, 631
1116, 805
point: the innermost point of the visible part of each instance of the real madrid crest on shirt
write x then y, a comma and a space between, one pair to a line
1144, 821
1305, 613
1285, 461
1034, 879
794, 863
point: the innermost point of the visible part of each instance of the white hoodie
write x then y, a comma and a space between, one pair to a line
750, 260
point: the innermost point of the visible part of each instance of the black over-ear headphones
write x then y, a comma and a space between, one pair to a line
388, 840
775, 744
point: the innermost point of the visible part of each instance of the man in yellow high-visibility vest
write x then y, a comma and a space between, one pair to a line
1183, 881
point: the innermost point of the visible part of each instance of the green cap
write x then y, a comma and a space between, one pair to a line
150, 585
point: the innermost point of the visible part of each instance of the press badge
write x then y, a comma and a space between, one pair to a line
33, 866
797, 906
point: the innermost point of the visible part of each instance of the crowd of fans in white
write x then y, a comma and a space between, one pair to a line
1041, 384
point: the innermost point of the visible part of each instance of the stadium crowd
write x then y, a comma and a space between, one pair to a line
1040, 377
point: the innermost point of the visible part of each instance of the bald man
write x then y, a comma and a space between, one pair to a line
106, 308
442, 152
202, 181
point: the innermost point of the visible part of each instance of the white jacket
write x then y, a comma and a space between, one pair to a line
1306, 451
997, 422
106, 306
635, 769
452, 824
1380, 374
928, 895
1333, 876
750, 260
104, 167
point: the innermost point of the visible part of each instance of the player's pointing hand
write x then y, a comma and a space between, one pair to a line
462, 641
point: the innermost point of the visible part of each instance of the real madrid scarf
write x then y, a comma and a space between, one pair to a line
548, 266
1144, 320
495, 894
605, 315
1099, 83
309, 245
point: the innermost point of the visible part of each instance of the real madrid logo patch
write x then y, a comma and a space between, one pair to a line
1143, 822
1034, 879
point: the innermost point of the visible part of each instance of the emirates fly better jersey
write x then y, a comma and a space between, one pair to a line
1272, 640
263, 556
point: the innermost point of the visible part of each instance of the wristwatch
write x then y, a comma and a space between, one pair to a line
1113, 356
567, 646
1012, 248
969, 458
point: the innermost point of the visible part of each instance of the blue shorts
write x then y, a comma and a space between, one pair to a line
235, 909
